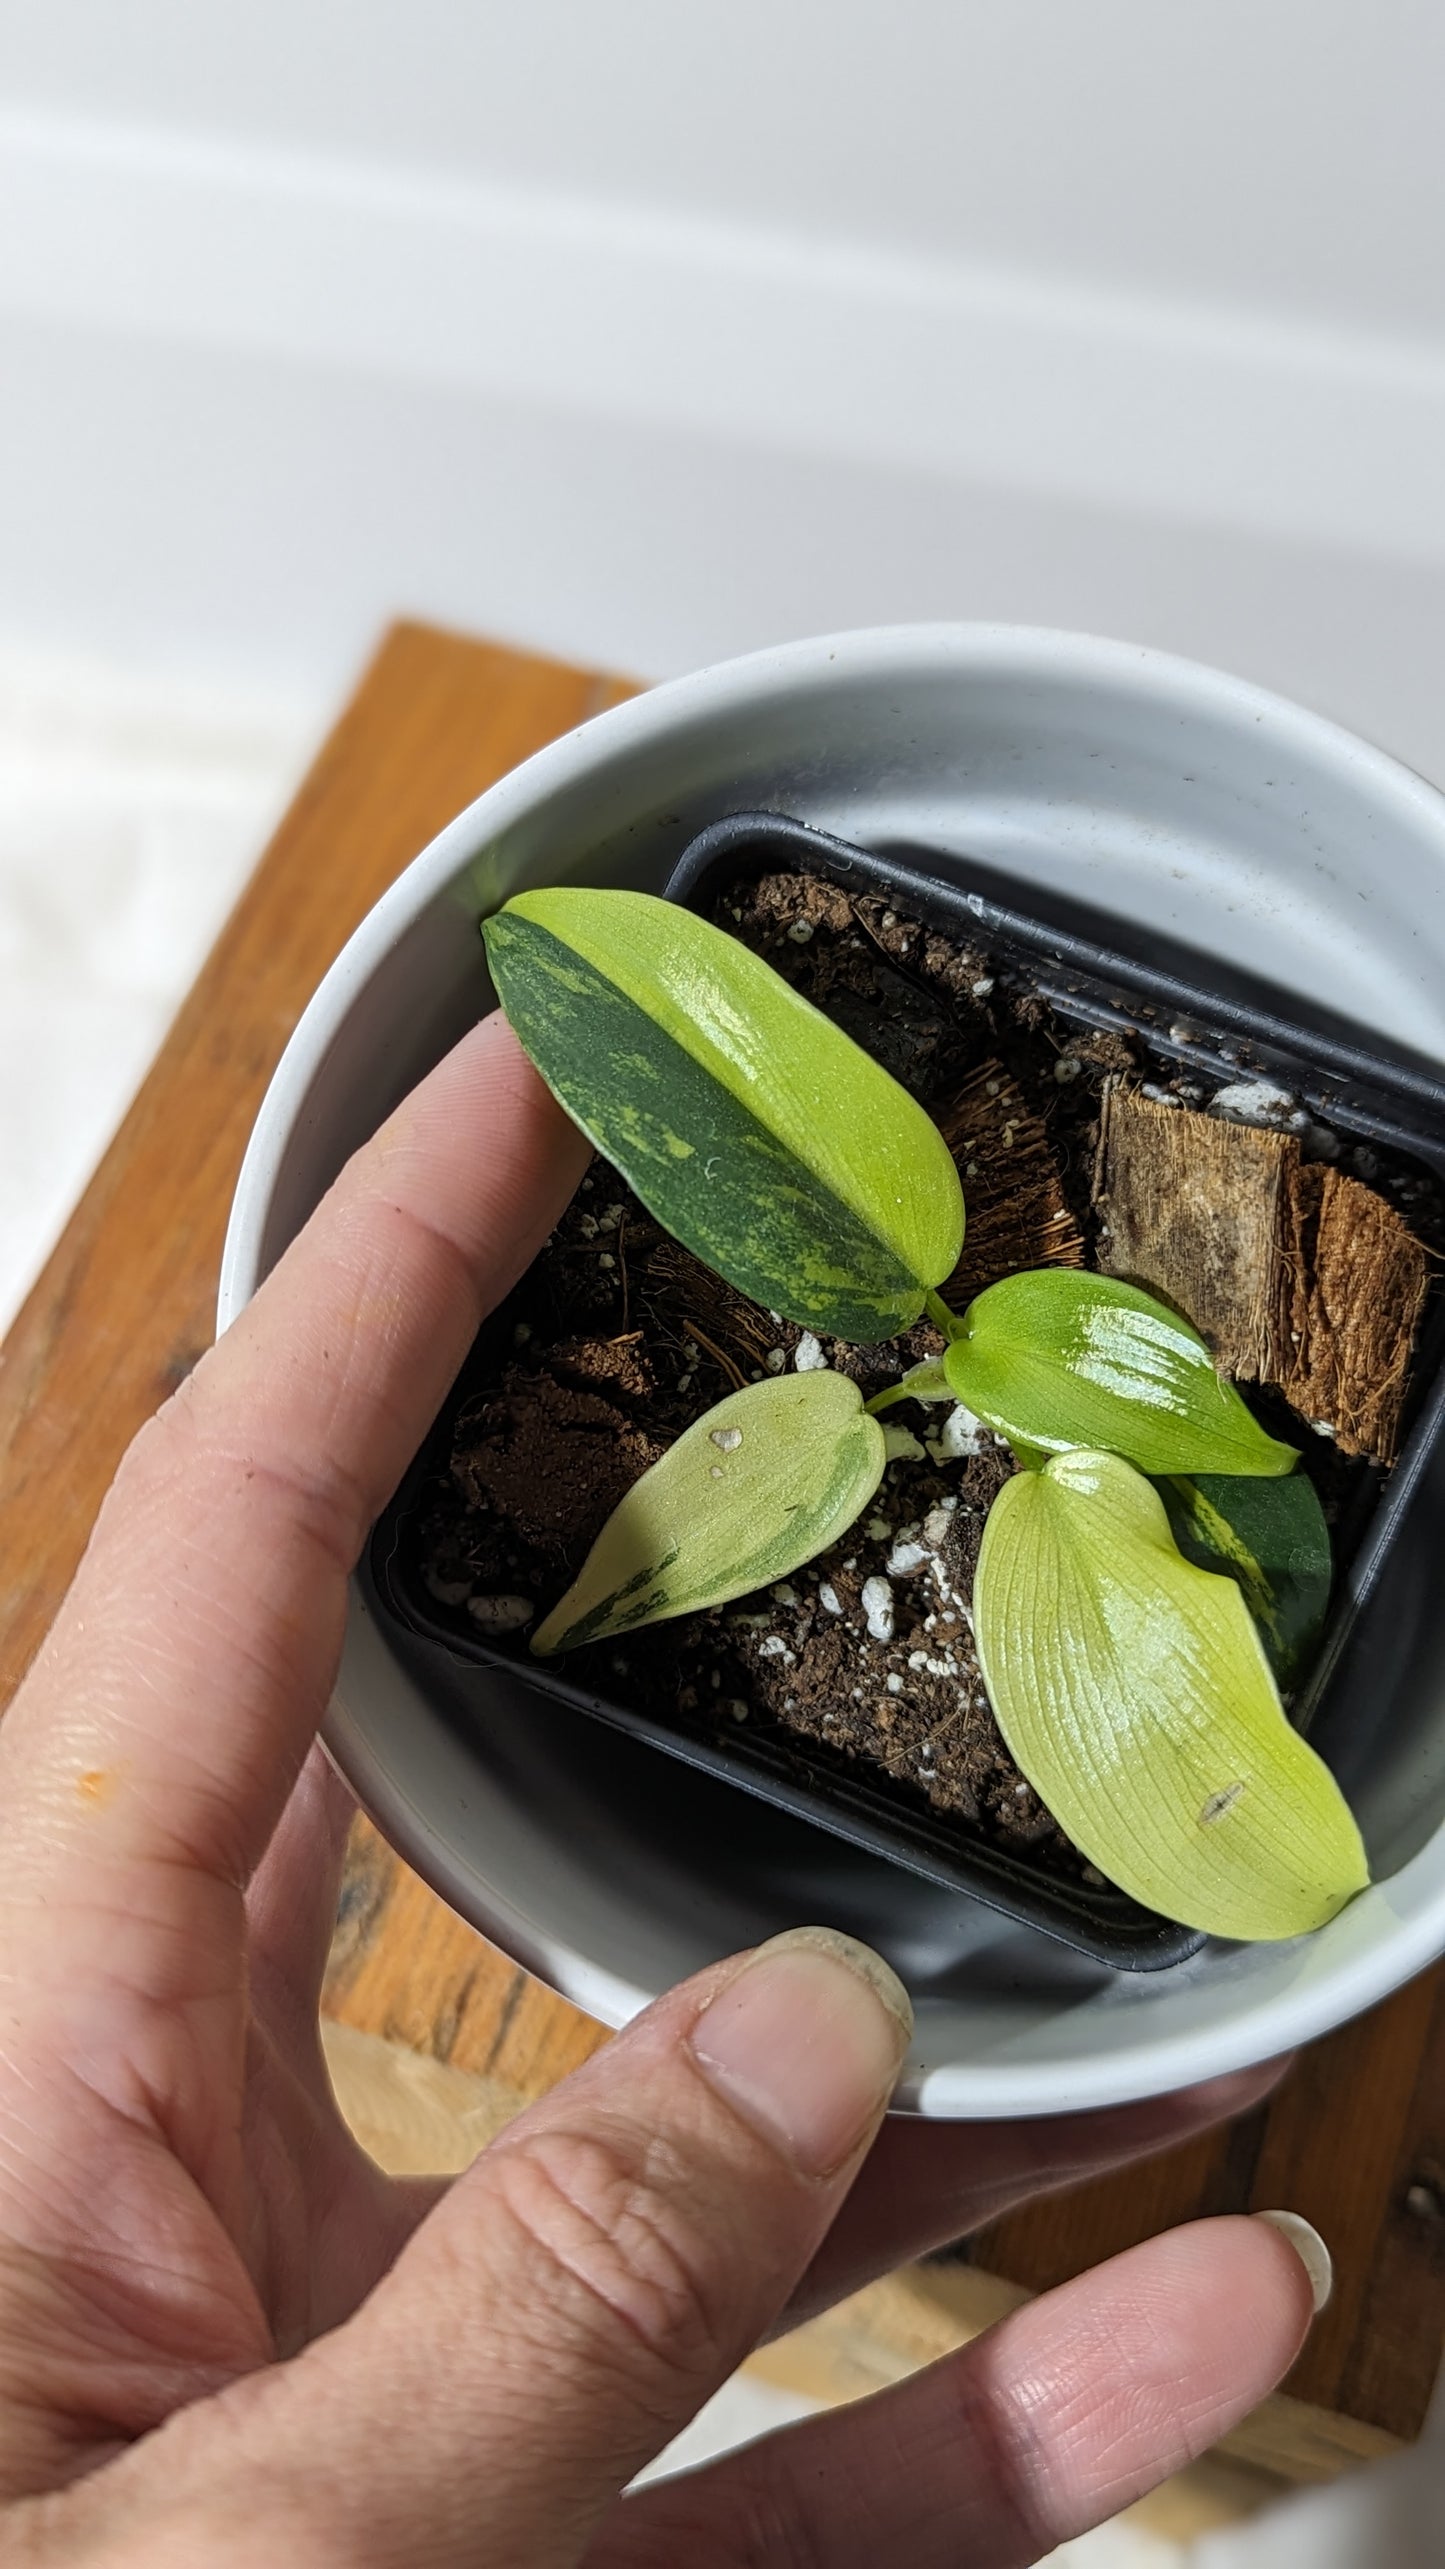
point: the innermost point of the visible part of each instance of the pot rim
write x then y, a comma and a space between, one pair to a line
869, 651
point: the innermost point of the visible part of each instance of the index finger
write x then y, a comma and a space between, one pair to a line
168, 1715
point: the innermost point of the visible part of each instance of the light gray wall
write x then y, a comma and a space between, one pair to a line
1280, 154
647, 332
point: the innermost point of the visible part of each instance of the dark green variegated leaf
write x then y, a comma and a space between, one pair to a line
750, 1491
755, 1131
1057, 1359
1133, 1690
1271, 1538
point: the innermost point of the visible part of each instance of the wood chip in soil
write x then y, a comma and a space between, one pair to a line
1295, 1273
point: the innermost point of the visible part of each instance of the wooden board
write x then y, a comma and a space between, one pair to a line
1356, 2140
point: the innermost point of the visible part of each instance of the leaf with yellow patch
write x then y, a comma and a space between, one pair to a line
766, 1479
755, 1131
1135, 1695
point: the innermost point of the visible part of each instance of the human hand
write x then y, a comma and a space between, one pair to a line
224, 2336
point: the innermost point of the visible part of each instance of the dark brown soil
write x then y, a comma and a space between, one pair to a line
617, 1338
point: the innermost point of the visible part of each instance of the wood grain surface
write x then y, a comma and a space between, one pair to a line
1355, 2140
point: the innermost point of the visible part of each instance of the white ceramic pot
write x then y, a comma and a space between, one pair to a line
1183, 802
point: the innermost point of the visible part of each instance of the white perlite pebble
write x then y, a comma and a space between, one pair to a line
937, 1522
775, 1359
774, 1647
895, 1685
906, 1557
501, 1614
808, 1356
878, 1607
726, 1439
1253, 1101
829, 1599
900, 1445
878, 1529
960, 1434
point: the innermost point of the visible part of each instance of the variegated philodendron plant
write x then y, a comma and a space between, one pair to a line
1149, 1578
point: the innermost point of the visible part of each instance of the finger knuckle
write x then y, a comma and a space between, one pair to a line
1005, 2464
158, 1452
608, 2230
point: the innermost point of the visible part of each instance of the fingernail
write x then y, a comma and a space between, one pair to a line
806, 2043
1310, 2249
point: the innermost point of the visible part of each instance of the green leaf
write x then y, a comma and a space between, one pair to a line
1057, 1359
1133, 1690
758, 1134
757, 1486
1271, 1538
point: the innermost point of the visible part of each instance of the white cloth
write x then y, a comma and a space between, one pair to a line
131, 812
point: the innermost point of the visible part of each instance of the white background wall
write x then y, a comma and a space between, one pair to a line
651, 329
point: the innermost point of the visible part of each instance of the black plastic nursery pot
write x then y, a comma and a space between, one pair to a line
1183, 1012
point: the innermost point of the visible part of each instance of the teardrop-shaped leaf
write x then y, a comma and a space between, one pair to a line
758, 1133
1271, 1538
750, 1491
1134, 1693
1060, 1359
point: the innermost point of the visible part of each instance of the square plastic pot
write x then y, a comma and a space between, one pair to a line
1220, 1034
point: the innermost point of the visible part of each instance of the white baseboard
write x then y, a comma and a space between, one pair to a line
252, 408
1014, 382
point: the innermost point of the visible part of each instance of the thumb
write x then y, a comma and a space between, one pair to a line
596, 2275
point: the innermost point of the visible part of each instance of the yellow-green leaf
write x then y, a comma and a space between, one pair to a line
1134, 1693
1059, 1359
751, 1490
758, 1133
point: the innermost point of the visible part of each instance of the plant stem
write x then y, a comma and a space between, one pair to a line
942, 1318
886, 1399
925, 1382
